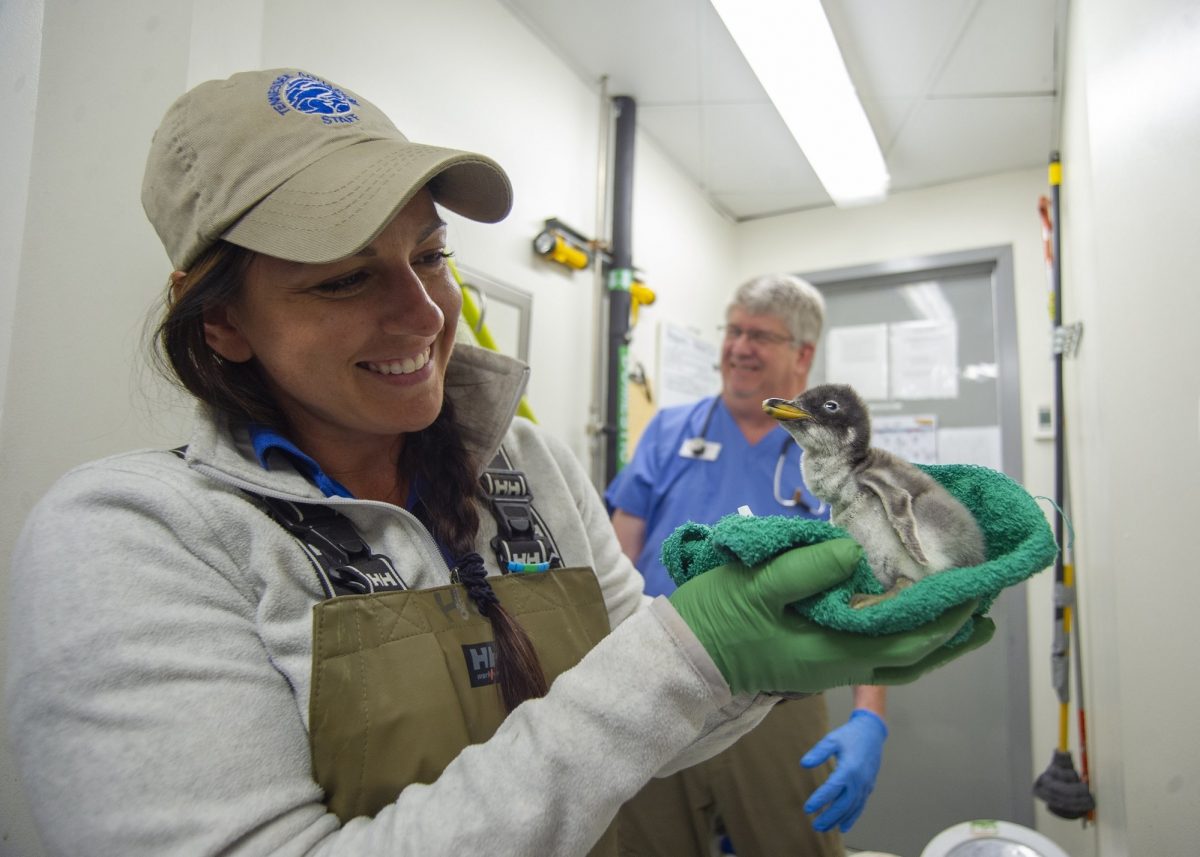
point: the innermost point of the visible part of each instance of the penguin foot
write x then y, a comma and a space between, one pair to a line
862, 599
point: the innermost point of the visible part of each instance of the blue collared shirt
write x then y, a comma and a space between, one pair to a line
265, 440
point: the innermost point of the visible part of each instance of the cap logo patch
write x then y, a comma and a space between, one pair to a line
307, 94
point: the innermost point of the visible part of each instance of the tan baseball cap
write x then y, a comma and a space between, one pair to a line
288, 164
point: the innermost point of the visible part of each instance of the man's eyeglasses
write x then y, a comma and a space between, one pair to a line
754, 336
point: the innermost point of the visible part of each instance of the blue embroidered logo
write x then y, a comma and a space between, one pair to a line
307, 94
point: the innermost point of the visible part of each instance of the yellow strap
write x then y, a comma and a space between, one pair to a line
1069, 584
482, 335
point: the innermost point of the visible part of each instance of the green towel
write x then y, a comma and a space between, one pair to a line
1019, 544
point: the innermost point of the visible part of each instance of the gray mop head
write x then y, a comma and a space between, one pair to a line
1063, 792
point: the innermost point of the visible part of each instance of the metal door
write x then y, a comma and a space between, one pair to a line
959, 745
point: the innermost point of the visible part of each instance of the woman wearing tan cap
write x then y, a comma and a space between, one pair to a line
365, 610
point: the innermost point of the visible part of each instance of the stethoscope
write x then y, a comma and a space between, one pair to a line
699, 444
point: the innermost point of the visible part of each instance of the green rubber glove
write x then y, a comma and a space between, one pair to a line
742, 618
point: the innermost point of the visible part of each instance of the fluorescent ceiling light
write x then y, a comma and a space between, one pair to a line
790, 46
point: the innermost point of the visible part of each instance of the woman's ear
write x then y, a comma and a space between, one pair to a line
220, 329
223, 335
178, 284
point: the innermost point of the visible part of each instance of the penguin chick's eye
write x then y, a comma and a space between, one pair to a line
831, 406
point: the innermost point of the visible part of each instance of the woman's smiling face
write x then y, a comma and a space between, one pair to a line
353, 350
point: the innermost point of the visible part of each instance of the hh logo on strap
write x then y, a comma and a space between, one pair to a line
481, 663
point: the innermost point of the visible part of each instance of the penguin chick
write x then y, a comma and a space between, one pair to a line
908, 525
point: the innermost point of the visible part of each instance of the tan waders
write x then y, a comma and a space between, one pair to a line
756, 788
404, 680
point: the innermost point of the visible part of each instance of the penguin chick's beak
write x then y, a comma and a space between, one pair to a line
782, 409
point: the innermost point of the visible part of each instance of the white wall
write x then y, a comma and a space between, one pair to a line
20, 51
1131, 154
686, 252
20, 54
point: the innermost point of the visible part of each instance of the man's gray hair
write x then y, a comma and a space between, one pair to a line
796, 302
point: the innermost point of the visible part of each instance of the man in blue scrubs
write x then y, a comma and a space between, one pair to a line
699, 463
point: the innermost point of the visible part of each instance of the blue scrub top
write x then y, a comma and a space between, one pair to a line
667, 490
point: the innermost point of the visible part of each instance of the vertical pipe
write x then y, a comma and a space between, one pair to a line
1059, 408
599, 288
1061, 651
620, 279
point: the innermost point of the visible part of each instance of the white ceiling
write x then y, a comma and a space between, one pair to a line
954, 89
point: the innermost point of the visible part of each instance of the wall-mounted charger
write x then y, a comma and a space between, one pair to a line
1043, 428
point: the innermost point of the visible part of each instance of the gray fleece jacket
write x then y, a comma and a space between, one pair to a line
161, 642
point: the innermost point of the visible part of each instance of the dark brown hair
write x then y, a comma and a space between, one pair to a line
434, 458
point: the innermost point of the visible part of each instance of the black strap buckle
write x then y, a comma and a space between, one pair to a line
371, 573
346, 562
520, 536
524, 552
514, 518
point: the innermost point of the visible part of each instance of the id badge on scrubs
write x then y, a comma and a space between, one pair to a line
699, 449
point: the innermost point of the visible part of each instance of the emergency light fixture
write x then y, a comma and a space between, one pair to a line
556, 248
791, 49
559, 243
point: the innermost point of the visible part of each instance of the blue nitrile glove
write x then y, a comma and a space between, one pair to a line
858, 745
